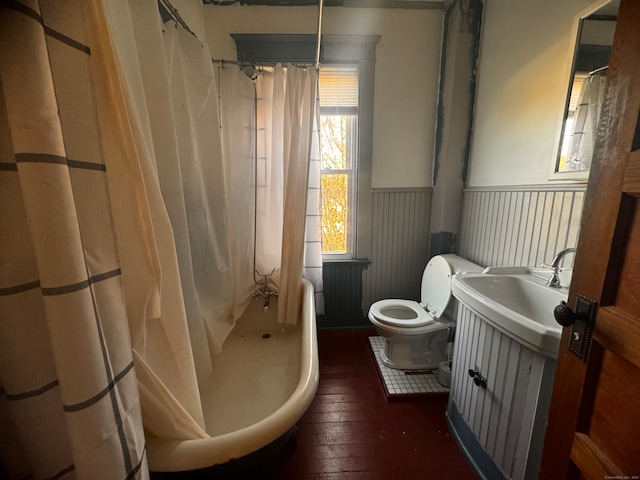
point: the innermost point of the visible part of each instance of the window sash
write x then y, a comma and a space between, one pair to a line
338, 110
338, 91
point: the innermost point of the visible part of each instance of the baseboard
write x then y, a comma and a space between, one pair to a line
478, 458
344, 320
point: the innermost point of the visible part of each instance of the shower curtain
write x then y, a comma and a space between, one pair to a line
97, 215
208, 192
272, 120
170, 76
70, 405
585, 124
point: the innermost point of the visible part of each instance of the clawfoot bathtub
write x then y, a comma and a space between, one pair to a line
261, 384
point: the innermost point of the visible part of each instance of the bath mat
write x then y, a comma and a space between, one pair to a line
405, 383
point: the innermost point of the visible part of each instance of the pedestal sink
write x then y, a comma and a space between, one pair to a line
507, 343
516, 301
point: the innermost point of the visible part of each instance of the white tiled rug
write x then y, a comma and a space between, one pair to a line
405, 382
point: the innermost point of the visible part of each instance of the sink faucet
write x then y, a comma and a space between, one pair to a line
554, 281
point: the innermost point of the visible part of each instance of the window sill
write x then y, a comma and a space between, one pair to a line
581, 176
347, 261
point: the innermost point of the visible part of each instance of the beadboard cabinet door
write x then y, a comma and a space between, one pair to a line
501, 390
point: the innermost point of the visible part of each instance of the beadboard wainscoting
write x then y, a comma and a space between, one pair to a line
399, 246
342, 288
510, 225
519, 225
399, 253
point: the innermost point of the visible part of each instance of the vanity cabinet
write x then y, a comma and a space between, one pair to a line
499, 399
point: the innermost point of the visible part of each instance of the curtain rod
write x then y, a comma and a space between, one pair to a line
175, 15
599, 70
319, 38
243, 63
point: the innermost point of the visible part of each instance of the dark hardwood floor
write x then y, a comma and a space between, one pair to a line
352, 432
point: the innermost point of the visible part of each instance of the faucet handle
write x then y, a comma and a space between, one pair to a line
264, 274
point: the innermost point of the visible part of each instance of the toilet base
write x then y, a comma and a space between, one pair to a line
414, 352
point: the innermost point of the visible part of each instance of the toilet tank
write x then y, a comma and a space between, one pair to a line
461, 265
458, 265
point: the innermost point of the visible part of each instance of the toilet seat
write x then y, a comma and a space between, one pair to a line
400, 313
416, 333
435, 291
435, 296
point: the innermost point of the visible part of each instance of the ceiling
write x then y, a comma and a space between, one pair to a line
609, 9
418, 4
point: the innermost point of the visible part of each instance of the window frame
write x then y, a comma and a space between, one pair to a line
361, 50
351, 172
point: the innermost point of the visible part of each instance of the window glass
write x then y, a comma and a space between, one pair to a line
338, 85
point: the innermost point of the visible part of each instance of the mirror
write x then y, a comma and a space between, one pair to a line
586, 89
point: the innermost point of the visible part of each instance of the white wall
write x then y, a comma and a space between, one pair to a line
406, 83
522, 80
523, 77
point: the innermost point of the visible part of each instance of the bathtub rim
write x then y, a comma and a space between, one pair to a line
183, 455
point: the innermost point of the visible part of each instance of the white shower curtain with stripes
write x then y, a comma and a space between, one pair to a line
70, 404
98, 217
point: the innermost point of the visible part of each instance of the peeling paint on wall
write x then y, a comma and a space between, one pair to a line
442, 242
456, 99
462, 22
440, 110
473, 22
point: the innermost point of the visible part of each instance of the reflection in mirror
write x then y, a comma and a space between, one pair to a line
589, 74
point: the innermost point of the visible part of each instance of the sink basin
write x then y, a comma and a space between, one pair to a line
516, 301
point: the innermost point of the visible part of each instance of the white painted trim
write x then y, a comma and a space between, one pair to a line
545, 187
401, 189
581, 176
415, 4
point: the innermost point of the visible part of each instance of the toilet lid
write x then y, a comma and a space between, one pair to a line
400, 313
436, 286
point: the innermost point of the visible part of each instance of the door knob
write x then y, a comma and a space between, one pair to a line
564, 315
478, 379
581, 320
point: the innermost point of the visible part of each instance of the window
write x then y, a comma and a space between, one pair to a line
338, 86
340, 54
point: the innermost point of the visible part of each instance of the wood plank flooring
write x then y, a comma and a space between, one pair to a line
352, 432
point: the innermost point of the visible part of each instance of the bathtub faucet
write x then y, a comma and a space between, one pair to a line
263, 290
554, 281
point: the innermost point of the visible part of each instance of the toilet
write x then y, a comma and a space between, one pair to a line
416, 334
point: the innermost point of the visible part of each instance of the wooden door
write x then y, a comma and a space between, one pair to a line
594, 420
